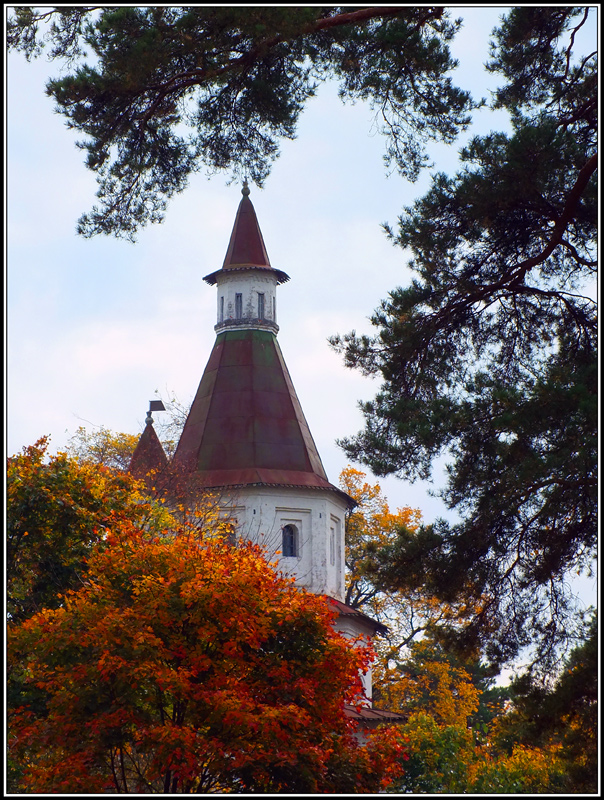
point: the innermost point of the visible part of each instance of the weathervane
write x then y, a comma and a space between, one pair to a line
154, 405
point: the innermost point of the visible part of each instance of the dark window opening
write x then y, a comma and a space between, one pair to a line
290, 541
238, 306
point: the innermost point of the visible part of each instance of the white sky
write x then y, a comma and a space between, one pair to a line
96, 326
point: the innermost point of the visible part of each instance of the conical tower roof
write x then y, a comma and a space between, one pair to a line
246, 425
149, 454
246, 248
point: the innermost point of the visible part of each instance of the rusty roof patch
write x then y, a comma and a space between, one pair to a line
369, 714
246, 245
348, 611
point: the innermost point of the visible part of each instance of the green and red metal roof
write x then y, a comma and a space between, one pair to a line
246, 425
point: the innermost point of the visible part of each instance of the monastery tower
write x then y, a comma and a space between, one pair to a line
247, 440
246, 435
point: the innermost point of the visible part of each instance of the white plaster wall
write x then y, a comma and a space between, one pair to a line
350, 629
249, 284
262, 512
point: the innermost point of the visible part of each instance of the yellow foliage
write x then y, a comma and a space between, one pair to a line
432, 686
370, 527
102, 447
527, 769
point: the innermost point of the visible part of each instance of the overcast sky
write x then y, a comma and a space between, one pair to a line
96, 326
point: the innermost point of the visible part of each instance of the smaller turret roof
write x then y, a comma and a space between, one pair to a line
149, 455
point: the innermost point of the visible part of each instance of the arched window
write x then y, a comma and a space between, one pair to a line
290, 541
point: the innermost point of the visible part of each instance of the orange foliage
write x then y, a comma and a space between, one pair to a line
370, 529
369, 526
186, 665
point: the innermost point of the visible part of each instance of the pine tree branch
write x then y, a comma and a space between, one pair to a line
515, 279
184, 80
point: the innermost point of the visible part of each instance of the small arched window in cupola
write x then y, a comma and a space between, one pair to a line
290, 541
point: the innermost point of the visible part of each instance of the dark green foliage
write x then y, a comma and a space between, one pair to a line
489, 357
566, 713
169, 89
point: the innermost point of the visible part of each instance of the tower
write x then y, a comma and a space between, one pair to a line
246, 435
246, 441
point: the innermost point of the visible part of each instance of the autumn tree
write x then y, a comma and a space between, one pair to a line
369, 526
452, 712
448, 760
103, 447
185, 665
371, 531
562, 713
488, 358
58, 511
170, 89
464, 733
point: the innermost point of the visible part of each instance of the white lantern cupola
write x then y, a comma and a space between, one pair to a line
246, 284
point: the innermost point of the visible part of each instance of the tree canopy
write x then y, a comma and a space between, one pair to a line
465, 735
183, 664
371, 531
58, 511
102, 446
169, 89
563, 715
489, 357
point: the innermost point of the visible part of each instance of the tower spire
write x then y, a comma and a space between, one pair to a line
246, 425
246, 250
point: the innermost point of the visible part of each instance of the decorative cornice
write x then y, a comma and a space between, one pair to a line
251, 324
212, 278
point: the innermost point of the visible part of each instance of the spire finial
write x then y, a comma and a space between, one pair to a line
246, 189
